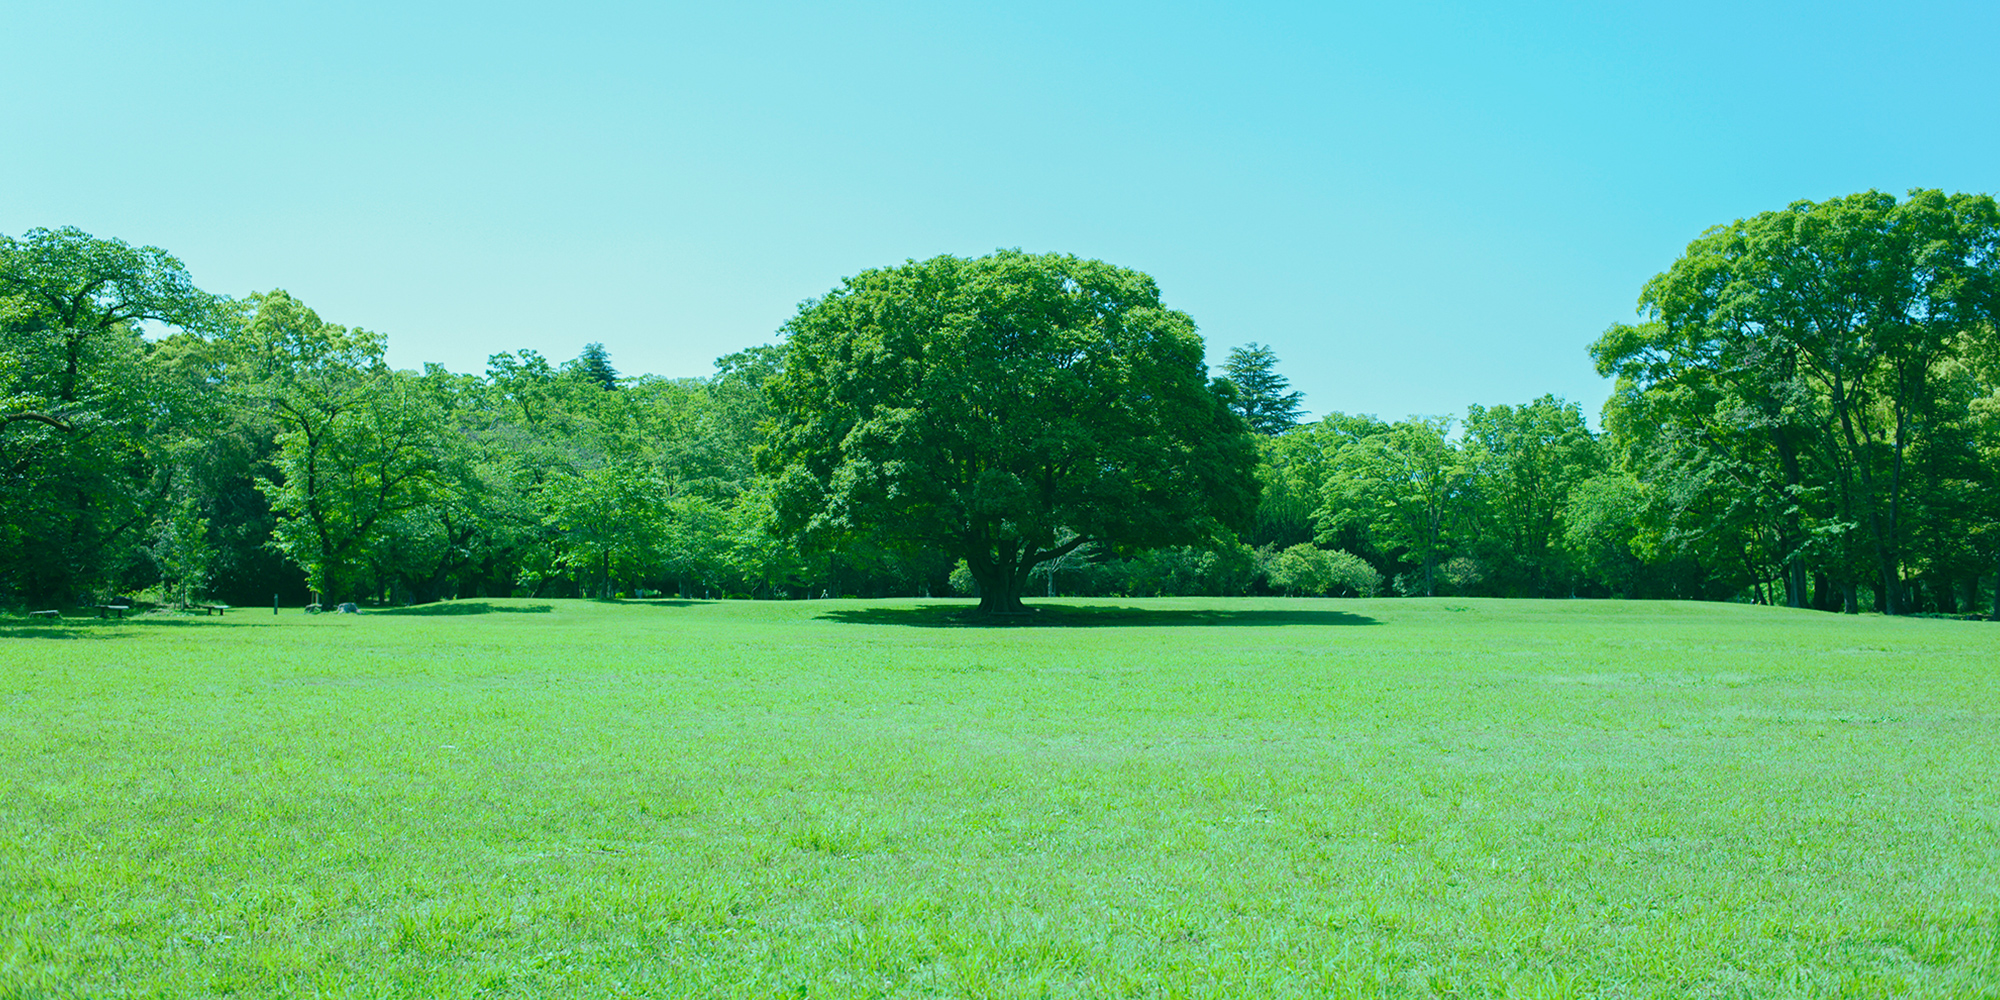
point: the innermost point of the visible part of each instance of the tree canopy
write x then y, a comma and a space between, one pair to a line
95, 421
1261, 395
594, 364
1006, 410
1807, 412
1803, 355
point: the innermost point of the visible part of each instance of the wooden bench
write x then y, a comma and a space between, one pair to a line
210, 609
52, 613
112, 610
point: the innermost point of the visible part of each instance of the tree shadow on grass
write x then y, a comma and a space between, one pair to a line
87, 627
41, 632
453, 608
1066, 616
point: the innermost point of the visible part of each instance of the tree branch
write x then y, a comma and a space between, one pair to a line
41, 418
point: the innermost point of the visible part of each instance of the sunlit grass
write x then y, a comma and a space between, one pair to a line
1117, 798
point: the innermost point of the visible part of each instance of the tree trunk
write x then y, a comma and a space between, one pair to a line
1795, 567
1002, 575
1002, 570
1885, 562
1001, 597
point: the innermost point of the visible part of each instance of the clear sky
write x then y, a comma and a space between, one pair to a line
1418, 206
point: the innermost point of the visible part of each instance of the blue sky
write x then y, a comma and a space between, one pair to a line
1418, 206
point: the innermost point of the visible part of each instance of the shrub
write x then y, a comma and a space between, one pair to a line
1306, 569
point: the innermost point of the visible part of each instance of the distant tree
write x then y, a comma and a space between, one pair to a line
1603, 531
762, 558
611, 521
1260, 391
475, 508
1984, 419
523, 381
1525, 462
737, 390
594, 365
1005, 410
1404, 486
181, 551
356, 441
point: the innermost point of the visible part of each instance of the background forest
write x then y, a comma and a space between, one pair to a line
1809, 414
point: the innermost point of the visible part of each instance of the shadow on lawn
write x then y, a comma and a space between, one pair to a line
444, 608
41, 632
82, 626
1063, 616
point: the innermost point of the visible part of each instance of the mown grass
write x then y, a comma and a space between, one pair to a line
1175, 798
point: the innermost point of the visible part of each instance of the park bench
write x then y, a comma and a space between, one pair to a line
112, 610
209, 609
51, 613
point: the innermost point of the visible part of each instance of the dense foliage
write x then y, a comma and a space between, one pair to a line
1814, 386
1008, 411
1808, 413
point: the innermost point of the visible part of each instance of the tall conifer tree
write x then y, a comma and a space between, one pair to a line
1261, 396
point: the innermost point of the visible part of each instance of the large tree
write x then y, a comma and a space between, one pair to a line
357, 441
96, 425
1007, 410
1803, 347
74, 287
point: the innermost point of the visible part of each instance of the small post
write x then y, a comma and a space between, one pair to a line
274, 605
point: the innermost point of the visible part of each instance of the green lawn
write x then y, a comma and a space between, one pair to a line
1170, 798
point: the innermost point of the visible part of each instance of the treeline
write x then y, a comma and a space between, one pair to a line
1809, 415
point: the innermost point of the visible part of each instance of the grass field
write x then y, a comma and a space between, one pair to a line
1174, 798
